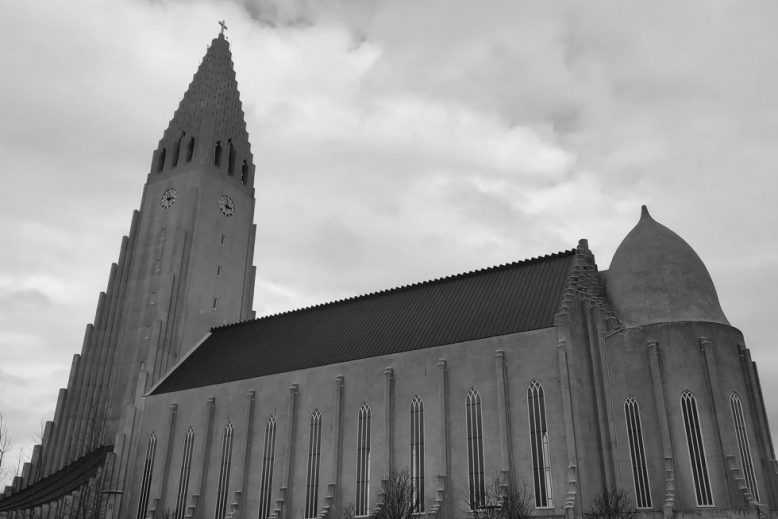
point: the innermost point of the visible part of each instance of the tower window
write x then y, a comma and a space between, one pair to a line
183, 480
161, 159
244, 173
223, 240
541, 459
163, 234
147, 333
637, 453
190, 149
153, 298
231, 159
691, 422
217, 155
742, 444
267, 467
156, 266
417, 453
215, 304
177, 149
148, 469
475, 450
363, 460
218, 271
314, 455
224, 473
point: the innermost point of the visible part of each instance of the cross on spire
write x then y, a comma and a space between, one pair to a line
224, 27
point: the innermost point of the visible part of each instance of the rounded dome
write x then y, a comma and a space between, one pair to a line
655, 276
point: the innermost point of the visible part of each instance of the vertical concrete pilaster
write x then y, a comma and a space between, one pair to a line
504, 420
389, 419
664, 428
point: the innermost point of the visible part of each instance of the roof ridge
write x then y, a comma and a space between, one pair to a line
409, 286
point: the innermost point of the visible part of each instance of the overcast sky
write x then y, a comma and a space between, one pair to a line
394, 142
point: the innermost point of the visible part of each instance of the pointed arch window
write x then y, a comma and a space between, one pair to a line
363, 461
267, 468
190, 149
217, 154
417, 453
161, 155
244, 172
314, 455
183, 480
475, 450
148, 470
231, 158
691, 421
742, 443
637, 453
177, 149
541, 457
224, 472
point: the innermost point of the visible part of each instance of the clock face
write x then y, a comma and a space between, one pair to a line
226, 205
168, 198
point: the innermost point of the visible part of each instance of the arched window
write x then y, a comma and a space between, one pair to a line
231, 159
475, 450
148, 469
363, 460
417, 453
244, 172
161, 155
183, 480
314, 454
637, 453
190, 149
217, 154
691, 422
224, 473
177, 149
541, 456
742, 444
267, 468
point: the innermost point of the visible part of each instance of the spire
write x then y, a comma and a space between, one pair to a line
209, 122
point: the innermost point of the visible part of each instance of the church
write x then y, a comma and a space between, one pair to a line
547, 374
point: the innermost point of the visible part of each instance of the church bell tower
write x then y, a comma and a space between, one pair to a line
185, 266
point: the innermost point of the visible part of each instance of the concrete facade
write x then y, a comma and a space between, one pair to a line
647, 331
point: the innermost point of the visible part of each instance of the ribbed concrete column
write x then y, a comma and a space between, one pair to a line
389, 419
444, 455
337, 444
210, 409
171, 436
664, 428
248, 419
504, 420
286, 489
572, 454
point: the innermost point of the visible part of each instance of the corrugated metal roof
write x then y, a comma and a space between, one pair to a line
507, 299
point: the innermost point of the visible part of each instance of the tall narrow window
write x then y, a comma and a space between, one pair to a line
183, 479
691, 422
363, 460
231, 159
637, 453
475, 450
417, 453
148, 469
742, 444
244, 172
190, 149
161, 155
177, 149
217, 154
538, 434
314, 453
224, 473
267, 468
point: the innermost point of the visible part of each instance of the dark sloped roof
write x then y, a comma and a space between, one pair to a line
507, 299
59, 484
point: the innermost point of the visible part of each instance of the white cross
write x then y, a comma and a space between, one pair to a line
224, 27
